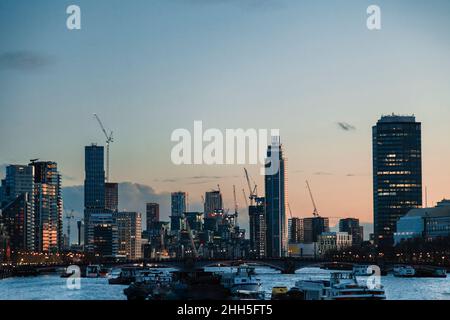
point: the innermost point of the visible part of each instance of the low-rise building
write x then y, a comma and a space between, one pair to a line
332, 241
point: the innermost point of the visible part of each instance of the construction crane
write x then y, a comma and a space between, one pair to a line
253, 192
315, 212
235, 201
245, 197
69, 218
109, 140
188, 229
289, 207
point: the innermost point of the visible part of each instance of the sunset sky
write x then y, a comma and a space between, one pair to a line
150, 67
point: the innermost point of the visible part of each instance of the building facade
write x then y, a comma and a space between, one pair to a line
275, 195
258, 230
152, 210
397, 173
333, 241
129, 234
295, 227
351, 226
48, 207
112, 196
213, 202
313, 227
178, 208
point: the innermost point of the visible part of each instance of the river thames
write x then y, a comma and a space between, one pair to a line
52, 287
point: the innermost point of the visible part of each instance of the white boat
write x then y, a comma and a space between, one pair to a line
93, 271
340, 286
242, 280
404, 271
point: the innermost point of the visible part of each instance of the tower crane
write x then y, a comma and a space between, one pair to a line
253, 192
315, 212
245, 197
109, 140
235, 201
290, 212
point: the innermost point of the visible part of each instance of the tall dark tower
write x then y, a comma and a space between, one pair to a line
94, 189
275, 189
397, 173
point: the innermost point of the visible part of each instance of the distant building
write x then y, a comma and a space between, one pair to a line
16, 217
426, 223
194, 220
17, 201
303, 250
152, 216
313, 227
178, 207
111, 196
397, 173
102, 233
213, 202
48, 207
332, 241
351, 226
129, 234
295, 227
275, 195
258, 231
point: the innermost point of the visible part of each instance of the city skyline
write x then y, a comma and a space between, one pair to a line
319, 94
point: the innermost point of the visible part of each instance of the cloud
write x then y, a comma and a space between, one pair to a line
25, 60
322, 173
346, 126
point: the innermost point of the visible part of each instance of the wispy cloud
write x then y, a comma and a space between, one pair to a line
25, 60
322, 173
245, 4
346, 126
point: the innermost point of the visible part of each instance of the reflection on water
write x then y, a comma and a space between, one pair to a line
50, 287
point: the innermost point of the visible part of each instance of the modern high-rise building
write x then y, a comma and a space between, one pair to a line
257, 221
94, 195
397, 173
17, 201
129, 234
152, 216
94, 182
275, 194
48, 207
352, 227
295, 230
111, 196
213, 203
178, 208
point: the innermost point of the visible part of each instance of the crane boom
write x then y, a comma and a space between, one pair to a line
252, 195
290, 212
315, 212
235, 201
109, 139
245, 197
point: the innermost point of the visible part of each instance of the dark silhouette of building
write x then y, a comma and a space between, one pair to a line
258, 230
111, 196
178, 208
152, 216
397, 173
213, 202
295, 227
352, 227
275, 195
313, 227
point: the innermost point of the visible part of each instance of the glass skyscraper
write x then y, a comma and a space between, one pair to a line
397, 173
275, 190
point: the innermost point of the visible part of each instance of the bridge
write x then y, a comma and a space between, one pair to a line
285, 265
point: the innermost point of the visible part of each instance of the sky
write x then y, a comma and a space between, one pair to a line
309, 68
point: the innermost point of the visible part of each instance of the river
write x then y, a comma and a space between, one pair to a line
52, 287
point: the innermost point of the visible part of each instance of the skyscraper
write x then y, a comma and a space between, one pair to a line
17, 201
94, 202
275, 190
397, 173
257, 221
48, 206
178, 208
313, 227
295, 230
152, 216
